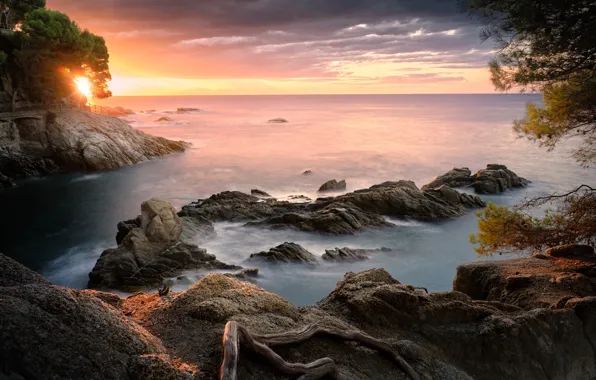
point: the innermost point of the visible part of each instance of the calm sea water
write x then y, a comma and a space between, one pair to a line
60, 225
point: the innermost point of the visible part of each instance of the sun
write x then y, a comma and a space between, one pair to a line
84, 86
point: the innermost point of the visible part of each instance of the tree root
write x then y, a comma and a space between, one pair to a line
234, 333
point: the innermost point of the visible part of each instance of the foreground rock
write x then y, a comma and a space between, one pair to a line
333, 185
152, 247
74, 140
59, 333
492, 180
528, 282
285, 253
439, 336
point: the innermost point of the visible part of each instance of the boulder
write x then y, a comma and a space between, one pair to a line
404, 200
160, 221
458, 177
345, 254
13, 273
125, 227
285, 253
497, 179
139, 263
527, 282
336, 219
333, 185
279, 120
259, 193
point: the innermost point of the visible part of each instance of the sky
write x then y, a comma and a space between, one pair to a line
224, 47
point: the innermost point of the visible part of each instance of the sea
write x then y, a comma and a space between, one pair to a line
59, 225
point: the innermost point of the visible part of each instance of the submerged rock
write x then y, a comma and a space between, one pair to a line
259, 193
307, 173
164, 119
333, 185
279, 120
245, 274
187, 110
285, 253
6, 181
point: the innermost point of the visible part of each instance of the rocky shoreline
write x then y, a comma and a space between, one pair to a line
495, 324
42, 142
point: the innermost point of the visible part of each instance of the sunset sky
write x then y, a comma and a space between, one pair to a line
212, 47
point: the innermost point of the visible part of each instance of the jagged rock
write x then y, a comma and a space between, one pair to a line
403, 199
160, 222
527, 282
6, 181
125, 227
458, 177
139, 263
337, 219
234, 206
279, 120
572, 251
333, 185
58, 333
196, 229
497, 179
259, 193
345, 254
300, 198
285, 253
15, 164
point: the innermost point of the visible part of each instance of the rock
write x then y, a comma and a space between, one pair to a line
6, 181
336, 219
528, 282
245, 274
234, 206
116, 111
139, 263
307, 173
187, 110
299, 198
333, 185
164, 119
184, 280
59, 333
196, 229
458, 177
497, 179
278, 121
572, 251
13, 273
125, 227
160, 222
345, 254
14, 164
285, 253
404, 200
259, 193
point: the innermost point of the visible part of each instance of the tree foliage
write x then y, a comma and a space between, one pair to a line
53, 50
19, 8
547, 46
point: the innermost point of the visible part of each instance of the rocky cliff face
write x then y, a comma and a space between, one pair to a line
40, 142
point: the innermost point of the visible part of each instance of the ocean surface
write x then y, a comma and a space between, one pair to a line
60, 225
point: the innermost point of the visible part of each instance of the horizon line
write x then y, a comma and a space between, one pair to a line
411, 94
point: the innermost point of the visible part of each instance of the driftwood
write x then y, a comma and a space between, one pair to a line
234, 334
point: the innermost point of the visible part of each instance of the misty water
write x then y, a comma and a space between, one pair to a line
60, 225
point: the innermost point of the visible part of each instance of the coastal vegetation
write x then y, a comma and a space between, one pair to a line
46, 51
543, 47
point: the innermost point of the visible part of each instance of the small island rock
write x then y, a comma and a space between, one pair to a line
285, 253
333, 185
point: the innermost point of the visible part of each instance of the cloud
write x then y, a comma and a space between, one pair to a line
142, 33
212, 41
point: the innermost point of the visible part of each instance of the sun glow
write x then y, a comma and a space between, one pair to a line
84, 87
